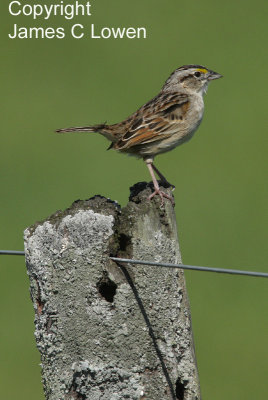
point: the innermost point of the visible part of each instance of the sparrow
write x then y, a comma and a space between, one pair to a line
163, 123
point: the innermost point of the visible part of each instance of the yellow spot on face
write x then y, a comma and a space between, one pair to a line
203, 70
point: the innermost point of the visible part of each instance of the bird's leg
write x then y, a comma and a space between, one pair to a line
163, 179
149, 163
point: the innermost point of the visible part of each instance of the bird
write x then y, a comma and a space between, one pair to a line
163, 123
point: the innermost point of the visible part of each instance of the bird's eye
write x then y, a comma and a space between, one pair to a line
197, 74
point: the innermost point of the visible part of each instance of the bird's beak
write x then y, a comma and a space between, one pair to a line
213, 75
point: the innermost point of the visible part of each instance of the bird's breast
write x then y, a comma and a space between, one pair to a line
195, 112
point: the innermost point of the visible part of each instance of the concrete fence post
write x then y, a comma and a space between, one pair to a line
107, 331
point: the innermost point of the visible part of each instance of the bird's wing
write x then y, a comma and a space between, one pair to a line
157, 119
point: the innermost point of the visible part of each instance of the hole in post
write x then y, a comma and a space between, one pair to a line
107, 288
180, 389
124, 242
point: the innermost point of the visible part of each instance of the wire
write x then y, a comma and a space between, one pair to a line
166, 265
12, 253
192, 267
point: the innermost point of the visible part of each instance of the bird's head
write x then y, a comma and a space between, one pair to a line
194, 78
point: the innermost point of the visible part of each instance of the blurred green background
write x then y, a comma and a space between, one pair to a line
220, 176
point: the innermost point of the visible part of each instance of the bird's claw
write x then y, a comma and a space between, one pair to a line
162, 196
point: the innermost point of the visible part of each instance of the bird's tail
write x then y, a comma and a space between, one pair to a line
91, 128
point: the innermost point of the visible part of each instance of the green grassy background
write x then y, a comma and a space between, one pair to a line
220, 176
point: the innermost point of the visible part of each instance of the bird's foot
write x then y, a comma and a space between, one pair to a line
162, 196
